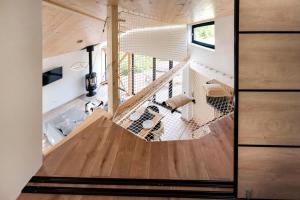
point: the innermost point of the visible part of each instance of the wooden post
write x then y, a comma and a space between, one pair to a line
112, 58
130, 74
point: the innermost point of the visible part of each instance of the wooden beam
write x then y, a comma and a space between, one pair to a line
112, 2
137, 100
61, 6
122, 86
112, 58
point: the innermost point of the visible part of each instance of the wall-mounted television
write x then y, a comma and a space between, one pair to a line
52, 75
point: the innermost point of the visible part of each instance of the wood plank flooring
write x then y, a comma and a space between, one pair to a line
105, 149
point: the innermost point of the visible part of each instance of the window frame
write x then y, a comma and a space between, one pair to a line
202, 43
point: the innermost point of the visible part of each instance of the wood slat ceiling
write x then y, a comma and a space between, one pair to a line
66, 22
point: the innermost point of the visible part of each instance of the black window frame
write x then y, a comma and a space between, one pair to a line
202, 43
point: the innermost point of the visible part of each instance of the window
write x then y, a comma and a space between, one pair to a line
142, 71
204, 34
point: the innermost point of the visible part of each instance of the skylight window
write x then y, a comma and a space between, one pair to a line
204, 34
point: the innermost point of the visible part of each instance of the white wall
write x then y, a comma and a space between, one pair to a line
202, 112
72, 84
166, 42
207, 64
222, 58
21, 94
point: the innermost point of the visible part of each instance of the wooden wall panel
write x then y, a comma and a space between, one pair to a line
271, 173
269, 61
269, 118
269, 84
269, 15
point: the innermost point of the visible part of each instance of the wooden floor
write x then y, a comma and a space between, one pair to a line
104, 149
174, 127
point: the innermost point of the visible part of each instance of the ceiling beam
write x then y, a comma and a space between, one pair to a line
73, 10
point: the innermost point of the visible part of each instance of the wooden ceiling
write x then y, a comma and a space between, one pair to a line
70, 25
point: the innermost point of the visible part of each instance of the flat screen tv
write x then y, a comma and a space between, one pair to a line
52, 75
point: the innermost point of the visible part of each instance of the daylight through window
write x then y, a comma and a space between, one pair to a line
204, 34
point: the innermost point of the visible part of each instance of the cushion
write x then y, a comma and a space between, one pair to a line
53, 135
65, 127
178, 101
215, 90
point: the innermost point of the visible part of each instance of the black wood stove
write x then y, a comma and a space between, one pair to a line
91, 77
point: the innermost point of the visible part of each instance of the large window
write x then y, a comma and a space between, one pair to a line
142, 72
204, 34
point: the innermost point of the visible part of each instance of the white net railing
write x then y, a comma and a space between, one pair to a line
139, 66
168, 125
